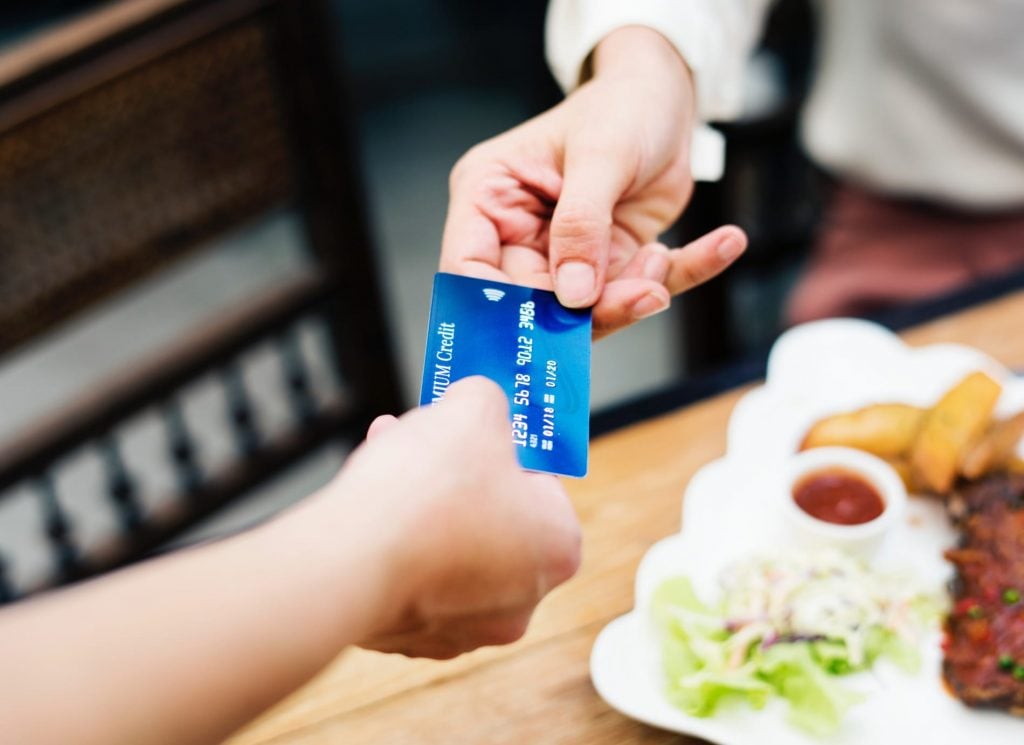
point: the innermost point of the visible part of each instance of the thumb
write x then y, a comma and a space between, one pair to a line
582, 223
482, 399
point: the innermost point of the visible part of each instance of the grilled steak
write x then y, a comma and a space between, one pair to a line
984, 648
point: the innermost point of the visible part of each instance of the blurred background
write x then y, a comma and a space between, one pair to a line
181, 184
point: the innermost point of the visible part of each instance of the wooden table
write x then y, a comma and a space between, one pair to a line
538, 690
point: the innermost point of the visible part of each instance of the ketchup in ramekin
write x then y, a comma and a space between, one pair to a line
838, 496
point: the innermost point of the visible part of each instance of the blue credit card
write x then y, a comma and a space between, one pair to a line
537, 350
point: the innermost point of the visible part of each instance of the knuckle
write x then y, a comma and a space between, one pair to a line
577, 226
566, 561
689, 276
464, 166
442, 653
565, 551
609, 318
505, 631
456, 175
449, 263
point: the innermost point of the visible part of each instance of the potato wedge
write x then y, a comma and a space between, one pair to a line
994, 449
949, 428
886, 430
906, 474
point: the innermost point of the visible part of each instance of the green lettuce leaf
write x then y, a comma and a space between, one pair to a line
817, 700
699, 676
885, 643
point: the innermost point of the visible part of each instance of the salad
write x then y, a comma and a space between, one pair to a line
788, 626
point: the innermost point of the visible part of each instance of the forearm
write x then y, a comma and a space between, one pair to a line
644, 58
715, 37
188, 647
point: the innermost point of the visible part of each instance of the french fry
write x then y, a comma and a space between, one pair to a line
957, 420
886, 430
994, 449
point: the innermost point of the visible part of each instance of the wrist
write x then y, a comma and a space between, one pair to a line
344, 567
641, 52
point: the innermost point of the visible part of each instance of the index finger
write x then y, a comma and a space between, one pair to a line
470, 244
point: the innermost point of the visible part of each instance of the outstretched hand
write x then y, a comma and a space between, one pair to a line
472, 541
574, 199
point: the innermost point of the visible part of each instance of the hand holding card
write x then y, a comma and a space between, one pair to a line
537, 350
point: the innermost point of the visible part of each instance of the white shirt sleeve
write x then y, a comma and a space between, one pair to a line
715, 37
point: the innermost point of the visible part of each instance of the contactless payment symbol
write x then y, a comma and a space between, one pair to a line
493, 294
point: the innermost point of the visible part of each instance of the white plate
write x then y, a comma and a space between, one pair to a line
813, 370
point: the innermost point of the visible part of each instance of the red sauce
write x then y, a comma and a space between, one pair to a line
838, 496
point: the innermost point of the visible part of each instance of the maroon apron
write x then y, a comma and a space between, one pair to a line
874, 252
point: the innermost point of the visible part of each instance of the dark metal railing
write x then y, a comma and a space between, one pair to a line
93, 422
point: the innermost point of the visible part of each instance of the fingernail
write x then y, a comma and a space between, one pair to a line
730, 248
649, 305
574, 283
656, 267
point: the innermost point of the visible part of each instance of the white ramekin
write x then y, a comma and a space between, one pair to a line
862, 538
